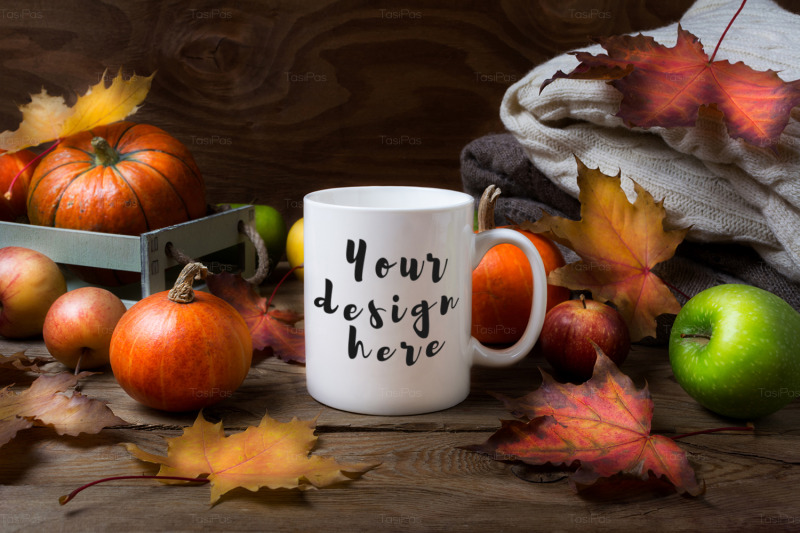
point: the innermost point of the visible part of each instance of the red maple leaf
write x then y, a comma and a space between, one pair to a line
602, 425
269, 328
669, 87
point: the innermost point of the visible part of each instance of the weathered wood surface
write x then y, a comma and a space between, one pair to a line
276, 98
425, 482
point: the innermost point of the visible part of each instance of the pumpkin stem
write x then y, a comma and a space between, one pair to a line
104, 154
182, 292
486, 208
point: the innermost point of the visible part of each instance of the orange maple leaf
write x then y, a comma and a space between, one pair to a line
669, 87
619, 243
45, 404
268, 328
603, 424
273, 455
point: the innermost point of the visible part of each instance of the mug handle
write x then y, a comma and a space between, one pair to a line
482, 242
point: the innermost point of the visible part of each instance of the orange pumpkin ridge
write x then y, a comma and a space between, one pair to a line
138, 179
179, 354
502, 284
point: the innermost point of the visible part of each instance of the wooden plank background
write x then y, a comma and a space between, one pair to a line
276, 98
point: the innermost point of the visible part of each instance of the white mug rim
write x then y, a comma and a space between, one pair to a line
324, 198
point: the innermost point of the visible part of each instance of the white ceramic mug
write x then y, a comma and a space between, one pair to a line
388, 298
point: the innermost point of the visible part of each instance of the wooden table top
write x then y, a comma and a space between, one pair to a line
425, 481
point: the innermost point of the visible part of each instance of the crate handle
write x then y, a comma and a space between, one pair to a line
265, 265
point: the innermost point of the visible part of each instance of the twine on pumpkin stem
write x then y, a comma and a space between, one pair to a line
182, 291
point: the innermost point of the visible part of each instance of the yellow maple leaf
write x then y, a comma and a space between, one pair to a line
273, 455
619, 243
47, 118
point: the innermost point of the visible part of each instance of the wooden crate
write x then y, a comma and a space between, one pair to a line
146, 253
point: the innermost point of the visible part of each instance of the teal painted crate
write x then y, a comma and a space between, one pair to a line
205, 239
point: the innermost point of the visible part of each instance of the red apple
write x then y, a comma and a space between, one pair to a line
78, 327
568, 329
29, 283
10, 165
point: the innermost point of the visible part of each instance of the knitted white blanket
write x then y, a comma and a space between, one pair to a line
727, 190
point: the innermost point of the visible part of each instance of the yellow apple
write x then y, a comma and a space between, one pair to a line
294, 247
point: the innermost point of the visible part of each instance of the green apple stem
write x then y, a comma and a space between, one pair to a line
33, 161
748, 427
702, 338
66, 498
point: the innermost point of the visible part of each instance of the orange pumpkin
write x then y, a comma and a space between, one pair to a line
13, 208
178, 350
122, 178
502, 285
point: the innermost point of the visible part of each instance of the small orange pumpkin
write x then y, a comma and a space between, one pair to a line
122, 178
178, 350
502, 285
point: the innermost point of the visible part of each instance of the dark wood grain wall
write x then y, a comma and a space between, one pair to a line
277, 98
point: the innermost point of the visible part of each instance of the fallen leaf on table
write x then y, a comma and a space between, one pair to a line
603, 425
45, 403
21, 362
273, 455
11, 426
274, 329
47, 118
669, 87
619, 243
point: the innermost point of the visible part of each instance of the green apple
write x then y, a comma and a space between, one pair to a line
272, 228
734, 349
